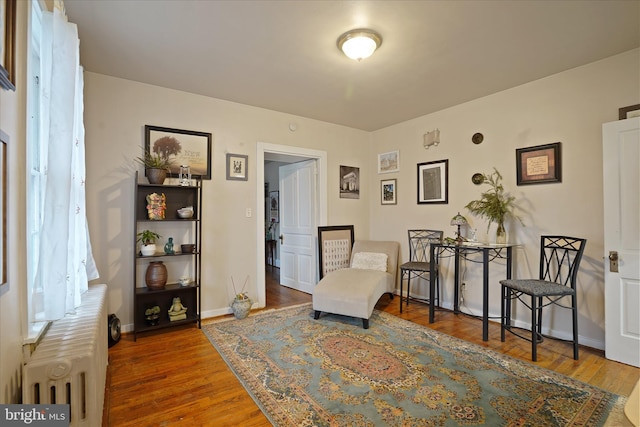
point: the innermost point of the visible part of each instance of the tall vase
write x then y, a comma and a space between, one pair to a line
501, 234
156, 275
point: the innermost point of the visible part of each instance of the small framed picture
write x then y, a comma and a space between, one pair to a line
349, 182
388, 192
628, 112
538, 165
433, 182
237, 167
389, 162
274, 206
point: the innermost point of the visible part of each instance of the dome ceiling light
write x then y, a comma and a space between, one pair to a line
359, 44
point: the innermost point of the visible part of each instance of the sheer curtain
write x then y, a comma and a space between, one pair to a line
65, 261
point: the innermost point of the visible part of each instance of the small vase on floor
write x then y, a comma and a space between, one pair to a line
241, 307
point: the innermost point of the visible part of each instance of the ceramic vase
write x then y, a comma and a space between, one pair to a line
156, 275
156, 175
241, 308
148, 250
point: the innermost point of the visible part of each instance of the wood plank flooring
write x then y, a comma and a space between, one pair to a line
175, 377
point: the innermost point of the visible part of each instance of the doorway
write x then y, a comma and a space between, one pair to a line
285, 154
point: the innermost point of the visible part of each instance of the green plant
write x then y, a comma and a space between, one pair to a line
493, 205
154, 161
147, 237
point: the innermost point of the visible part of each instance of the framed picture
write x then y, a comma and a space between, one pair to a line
433, 182
628, 112
539, 165
7, 44
274, 206
184, 147
237, 167
334, 248
388, 192
389, 162
4, 139
349, 182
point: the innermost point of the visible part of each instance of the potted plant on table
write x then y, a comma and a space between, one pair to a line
147, 240
494, 205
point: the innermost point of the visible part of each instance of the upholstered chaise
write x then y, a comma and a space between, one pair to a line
355, 291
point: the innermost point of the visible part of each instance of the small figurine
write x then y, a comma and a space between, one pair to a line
177, 310
168, 248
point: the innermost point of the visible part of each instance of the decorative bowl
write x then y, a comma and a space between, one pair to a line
187, 248
185, 213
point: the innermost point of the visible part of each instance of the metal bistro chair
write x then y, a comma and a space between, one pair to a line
418, 264
559, 261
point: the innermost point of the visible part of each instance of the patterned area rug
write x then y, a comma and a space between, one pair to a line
331, 372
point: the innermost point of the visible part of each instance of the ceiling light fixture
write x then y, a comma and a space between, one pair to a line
359, 44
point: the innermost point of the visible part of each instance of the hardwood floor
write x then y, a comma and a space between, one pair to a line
175, 378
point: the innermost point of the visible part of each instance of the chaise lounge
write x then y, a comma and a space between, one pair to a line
354, 291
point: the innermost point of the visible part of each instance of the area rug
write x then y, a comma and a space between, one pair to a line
332, 372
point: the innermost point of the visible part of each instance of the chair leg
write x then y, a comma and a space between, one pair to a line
365, 323
503, 306
401, 286
316, 314
574, 309
534, 329
408, 288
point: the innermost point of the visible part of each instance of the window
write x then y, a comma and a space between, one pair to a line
35, 167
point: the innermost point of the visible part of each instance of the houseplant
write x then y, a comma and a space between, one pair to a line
494, 205
156, 166
152, 315
147, 240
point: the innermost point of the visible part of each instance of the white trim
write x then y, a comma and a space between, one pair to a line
263, 147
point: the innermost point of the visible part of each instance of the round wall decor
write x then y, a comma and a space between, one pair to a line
477, 178
477, 138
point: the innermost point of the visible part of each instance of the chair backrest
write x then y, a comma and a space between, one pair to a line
419, 241
560, 258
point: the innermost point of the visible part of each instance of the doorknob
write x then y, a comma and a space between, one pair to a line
281, 239
613, 261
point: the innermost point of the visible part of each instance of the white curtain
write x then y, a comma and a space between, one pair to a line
66, 262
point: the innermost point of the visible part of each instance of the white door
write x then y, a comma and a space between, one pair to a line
621, 166
298, 225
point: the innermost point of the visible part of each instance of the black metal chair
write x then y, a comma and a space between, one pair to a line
559, 261
418, 264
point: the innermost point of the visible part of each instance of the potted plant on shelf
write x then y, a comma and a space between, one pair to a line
147, 240
156, 166
152, 315
494, 205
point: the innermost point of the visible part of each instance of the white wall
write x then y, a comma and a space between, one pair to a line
116, 111
12, 294
570, 108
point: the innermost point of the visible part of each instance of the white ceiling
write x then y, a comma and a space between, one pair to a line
282, 55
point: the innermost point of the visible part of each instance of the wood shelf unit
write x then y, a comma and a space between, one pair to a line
177, 197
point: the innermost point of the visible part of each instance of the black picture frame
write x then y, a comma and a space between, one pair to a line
237, 167
540, 164
349, 182
195, 149
274, 206
7, 44
335, 244
433, 182
388, 192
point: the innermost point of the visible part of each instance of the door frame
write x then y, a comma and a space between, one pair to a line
321, 202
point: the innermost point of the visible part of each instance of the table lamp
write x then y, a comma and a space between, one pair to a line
458, 220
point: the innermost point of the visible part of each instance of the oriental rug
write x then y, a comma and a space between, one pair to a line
332, 372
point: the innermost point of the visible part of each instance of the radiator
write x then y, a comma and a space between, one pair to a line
69, 366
